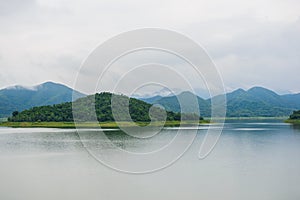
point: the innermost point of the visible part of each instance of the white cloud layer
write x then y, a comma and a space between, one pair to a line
253, 42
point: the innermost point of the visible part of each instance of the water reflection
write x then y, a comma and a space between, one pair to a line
296, 127
52, 164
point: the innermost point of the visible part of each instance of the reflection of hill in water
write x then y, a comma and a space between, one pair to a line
296, 127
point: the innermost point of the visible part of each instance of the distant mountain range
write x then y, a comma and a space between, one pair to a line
19, 98
255, 102
171, 103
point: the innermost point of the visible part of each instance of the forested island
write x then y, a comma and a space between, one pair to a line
61, 115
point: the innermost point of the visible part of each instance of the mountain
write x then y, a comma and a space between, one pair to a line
101, 104
292, 100
151, 100
19, 98
255, 102
171, 103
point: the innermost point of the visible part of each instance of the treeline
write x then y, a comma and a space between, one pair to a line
101, 104
55, 113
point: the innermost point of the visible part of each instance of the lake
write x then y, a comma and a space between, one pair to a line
252, 160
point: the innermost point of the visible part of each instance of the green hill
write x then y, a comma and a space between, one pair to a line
139, 111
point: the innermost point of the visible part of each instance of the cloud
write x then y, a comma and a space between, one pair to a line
13, 7
252, 42
265, 56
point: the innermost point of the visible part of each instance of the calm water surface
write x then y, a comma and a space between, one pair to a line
252, 160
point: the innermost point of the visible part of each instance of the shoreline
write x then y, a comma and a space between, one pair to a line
128, 124
293, 121
93, 124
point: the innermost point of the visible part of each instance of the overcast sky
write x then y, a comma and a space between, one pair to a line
253, 43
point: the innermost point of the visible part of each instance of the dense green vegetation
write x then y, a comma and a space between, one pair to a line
21, 98
101, 104
59, 112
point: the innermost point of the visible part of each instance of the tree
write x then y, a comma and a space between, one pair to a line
15, 113
295, 115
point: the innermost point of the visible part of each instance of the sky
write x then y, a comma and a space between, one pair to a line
252, 43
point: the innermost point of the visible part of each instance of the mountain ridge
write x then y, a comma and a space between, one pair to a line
254, 102
19, 98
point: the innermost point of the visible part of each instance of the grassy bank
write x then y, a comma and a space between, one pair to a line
293, 121
250, 118
90, 124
